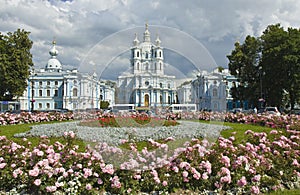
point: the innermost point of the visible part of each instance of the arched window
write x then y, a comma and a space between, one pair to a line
215, 92
216, 106
160, 54
146, 66
138, 54
75, 92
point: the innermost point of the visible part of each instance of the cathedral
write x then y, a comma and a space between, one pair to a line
146, 85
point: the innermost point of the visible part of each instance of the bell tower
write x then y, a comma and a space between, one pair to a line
158, 57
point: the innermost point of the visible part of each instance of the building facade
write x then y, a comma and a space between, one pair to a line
54, 88
146, 85
209, 91
184, 93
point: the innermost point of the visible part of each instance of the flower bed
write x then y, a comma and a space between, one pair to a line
27, 117
263, 163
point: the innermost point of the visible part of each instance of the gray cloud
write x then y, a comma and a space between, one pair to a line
80, 25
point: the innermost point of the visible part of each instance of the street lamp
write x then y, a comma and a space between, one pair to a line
139, 94
32, 94
261, 99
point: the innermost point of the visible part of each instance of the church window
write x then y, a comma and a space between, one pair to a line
40, 105
56, 83
48, 82
161, 99
75, 92
48, 92
55, 105
215, 106
40, 83
55, 92
101, 97
215, 92
169, 86
159, 53
147, 83
48, 105
160, 85
40, 93
138, 54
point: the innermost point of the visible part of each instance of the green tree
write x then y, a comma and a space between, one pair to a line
268, 67
292, 67
244, 65
274, 41
15, 63
104, 104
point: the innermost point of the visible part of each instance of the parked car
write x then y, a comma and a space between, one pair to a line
236, 110
295, 111
272, 110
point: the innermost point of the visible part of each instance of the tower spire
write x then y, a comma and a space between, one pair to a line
136, 40
146, 33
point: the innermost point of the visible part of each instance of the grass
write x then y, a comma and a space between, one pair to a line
10, 130
238, 129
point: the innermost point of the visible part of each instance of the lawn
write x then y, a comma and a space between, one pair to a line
10, 130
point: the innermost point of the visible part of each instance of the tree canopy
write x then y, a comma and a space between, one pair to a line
268, 67
15, 63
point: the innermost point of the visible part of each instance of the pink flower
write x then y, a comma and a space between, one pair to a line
205, 176
108, 169
225, 179
226, 161
37, 182
40, 153
115, 182
88, 186
51, 188
256, 178
137, 177
185, 174
34, 172
164, 183
2, 165
175, 169
87, 172
99, 181
242, 182
255, 190
156, 179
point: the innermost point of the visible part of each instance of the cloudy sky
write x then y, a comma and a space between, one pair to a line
97, 34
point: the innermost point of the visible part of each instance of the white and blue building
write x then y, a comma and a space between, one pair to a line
52, 88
